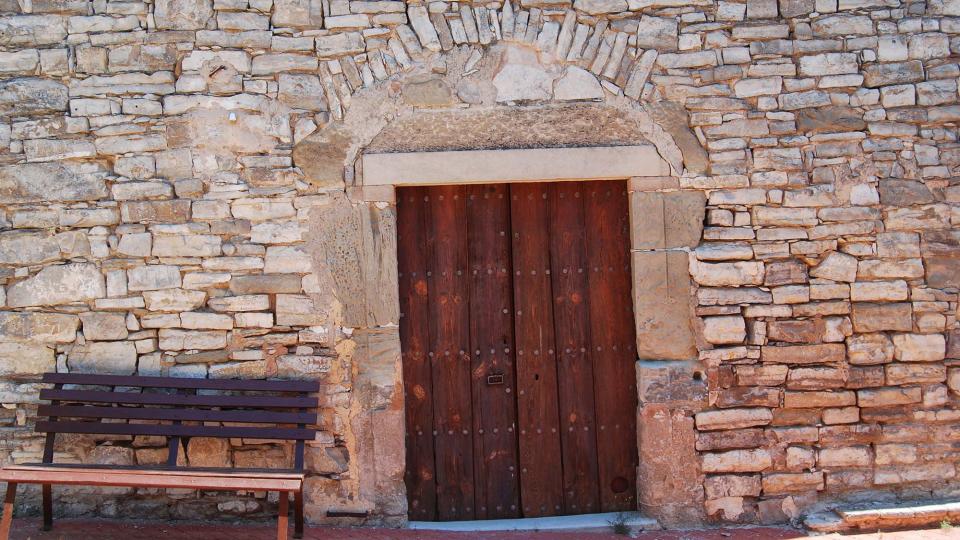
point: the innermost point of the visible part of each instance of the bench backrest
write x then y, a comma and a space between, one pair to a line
137, 405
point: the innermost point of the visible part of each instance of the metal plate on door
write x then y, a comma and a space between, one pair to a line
496, 378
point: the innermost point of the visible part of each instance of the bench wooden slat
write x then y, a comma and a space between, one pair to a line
133, 398
140, 479
161, 470
178, 382
198, 415
170, 430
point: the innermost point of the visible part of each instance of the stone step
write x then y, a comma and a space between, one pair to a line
910, 515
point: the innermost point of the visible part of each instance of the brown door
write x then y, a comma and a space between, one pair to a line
518, 350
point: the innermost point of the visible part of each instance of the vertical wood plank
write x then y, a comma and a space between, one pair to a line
412, 265
613, 338
491, 348
569, 269
450, 341
541, 472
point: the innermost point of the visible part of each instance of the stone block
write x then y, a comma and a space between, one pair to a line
736, 461
153, 277
25, 360
817, 399
662, 306
845, 456
919, 347
804, 354
265, 283
182, 14
728, 329
733, 418
869, 317
172, 339
113, 357
883, 397
98, 326
774, 484
173, 300
54, 285
868, 349
837, 266
669, 481
941, 258
732, 485
208, 452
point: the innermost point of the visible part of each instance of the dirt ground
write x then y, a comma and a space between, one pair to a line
24, 529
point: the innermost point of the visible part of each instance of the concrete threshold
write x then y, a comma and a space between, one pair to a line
583, 522
899, 516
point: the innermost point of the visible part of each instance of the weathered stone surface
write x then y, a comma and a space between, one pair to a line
38, 327
577, 84
737, 461
522, 78
114, 357
182, 14
733, 418
727, 274
724, 330
869, 317
919, 347
837, 266
666, 220
866, 349
104, 326
25, 360
297, 13
66, 181
663, 311
830, 119
941, 258
153, 277
28, 96
322, 156
62, 284
804, 354
208, 452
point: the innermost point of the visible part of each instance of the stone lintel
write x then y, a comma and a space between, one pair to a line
513, 165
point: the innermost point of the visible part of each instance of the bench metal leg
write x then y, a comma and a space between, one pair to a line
47, 507
298, 514
7, 519
282, 517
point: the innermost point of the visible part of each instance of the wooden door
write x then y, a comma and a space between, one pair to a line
517, 336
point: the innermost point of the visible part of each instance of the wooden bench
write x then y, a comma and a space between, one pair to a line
176, 408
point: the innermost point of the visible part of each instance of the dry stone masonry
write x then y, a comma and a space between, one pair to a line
181, 195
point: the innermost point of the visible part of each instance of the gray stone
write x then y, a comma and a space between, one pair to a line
104, 357
599, 7
43, 182
298, 13
830, 118
941, 258
904, 193
32, 30
153, 277
658, 33
38, 327
54, 285
577, 84
892, 73
25, 360
182, 14
104, 326
301, 92
29, 95
26, 248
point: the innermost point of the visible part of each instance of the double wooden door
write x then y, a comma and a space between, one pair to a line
518, 349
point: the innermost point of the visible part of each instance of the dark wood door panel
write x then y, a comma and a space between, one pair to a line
517, 337
612, 338
412, 259
491, 349
541, 469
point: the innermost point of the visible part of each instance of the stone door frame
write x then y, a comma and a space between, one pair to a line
646, 172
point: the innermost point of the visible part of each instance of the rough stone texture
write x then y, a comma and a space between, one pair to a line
181, 195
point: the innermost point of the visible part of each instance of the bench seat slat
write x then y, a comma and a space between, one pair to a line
199, 415
161, 470
133, 398
169, 430
180, 382
124, 478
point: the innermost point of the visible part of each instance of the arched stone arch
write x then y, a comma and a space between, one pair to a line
498, 79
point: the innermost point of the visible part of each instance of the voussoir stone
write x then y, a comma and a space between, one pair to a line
62, 284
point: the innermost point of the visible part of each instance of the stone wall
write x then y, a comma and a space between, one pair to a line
180, 195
